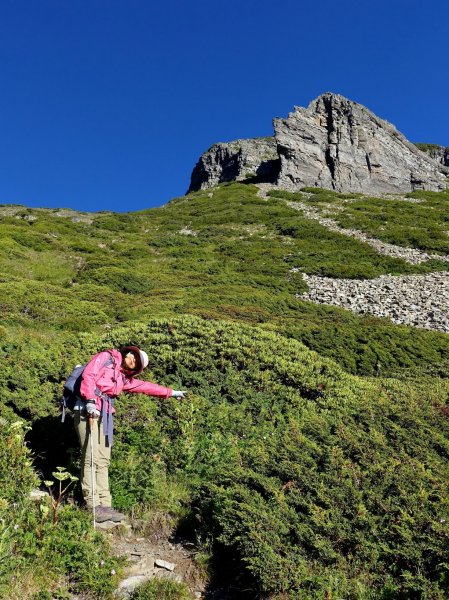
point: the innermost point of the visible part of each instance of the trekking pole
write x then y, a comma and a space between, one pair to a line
92, 474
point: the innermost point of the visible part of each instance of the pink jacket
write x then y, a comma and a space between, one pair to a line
111, 380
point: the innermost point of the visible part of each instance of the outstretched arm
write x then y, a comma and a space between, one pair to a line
137, 386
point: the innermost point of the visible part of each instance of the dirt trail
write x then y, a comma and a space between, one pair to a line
154, 556
151, 556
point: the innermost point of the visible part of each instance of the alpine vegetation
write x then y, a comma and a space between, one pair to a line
307, 455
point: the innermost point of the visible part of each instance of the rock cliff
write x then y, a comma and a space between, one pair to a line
240, 160
334, 143
438, 153
338, 144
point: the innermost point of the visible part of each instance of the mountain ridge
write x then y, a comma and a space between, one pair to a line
334, 143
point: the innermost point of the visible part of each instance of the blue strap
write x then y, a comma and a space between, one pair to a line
106, 410
107, 416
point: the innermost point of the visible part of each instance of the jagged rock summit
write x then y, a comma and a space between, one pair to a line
334, 143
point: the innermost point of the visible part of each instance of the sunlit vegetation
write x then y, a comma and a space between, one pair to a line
231, 255
422, 224
305, 474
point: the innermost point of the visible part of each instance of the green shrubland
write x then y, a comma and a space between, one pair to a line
303, 480
317, 481
421, 224
233, 255
307, 480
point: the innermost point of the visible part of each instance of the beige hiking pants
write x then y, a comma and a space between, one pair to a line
102, 458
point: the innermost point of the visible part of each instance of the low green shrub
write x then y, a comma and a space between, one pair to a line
317, 482
160, 589
121, 280
35, 553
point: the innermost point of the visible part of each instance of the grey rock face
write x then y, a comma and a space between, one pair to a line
254, 159
334, 143
338, 144
438, 153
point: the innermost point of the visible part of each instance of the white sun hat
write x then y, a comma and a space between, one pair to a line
144, 359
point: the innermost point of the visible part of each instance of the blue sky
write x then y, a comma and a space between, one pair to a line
107, 104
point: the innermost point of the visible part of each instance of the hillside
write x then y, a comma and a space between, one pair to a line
294, 471
301, 478
229, 253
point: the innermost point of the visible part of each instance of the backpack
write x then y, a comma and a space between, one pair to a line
72, 387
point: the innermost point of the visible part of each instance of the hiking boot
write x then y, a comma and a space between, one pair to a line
102, 514
107, 513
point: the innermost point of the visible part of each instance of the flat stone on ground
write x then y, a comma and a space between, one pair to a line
163, 564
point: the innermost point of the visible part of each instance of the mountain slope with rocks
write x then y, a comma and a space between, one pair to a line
282, 475
334, 143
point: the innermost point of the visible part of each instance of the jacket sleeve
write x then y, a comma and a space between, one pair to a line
137, 386
90, 375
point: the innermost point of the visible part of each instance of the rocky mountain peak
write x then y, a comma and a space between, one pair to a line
334, 143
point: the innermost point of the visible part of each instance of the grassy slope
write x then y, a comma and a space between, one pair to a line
311, 482
236, 264
422, 225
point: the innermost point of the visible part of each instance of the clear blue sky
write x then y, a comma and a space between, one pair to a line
107, 104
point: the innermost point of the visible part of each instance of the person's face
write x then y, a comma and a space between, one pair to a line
129, 362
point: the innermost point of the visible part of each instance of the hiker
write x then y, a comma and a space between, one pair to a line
106, 375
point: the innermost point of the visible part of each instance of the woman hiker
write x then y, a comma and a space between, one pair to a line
106, 375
